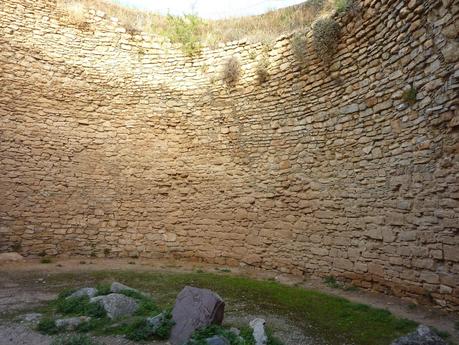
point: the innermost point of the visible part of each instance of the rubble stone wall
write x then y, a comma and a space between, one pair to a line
114, 143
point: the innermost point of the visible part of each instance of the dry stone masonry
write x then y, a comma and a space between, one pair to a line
114, 143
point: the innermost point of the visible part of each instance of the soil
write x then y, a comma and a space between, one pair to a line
24, 286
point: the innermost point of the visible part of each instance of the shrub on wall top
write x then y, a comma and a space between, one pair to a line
326, 34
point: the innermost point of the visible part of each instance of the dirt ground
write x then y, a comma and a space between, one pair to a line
24, 286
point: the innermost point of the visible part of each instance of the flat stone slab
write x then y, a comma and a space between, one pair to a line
116, 305
195, 308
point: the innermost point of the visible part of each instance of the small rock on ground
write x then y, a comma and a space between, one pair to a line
90, 292
422, 336
116, 305
259, 334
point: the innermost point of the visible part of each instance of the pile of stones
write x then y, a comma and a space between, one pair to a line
194, 309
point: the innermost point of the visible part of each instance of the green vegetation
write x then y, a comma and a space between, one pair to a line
46, 260
47, 326
343, 5
409, 96
134, 328
199, 336
329, 317
77, 306
186, 30
78, 339
103, 289
325, 33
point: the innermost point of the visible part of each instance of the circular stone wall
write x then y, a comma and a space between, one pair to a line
114, 144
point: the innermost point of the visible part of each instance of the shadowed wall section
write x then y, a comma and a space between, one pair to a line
116, 144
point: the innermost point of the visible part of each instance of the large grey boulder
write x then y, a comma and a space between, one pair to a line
71, 323
90, 292
259, 334
422, 336
116, 305
195, 308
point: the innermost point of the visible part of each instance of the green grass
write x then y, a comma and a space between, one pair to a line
199, 336
330, 317
47, 326
409, 96
77, 306
78, 339
46, 260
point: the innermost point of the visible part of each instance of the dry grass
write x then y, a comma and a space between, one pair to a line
262, 28
231, 71
326, 33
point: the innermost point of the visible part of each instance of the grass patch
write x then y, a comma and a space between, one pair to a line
199, 336
47, 326
46, 260
103, 289
147, 306
77, 306
77, 339
332, 318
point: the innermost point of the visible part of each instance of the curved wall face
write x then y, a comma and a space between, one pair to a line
118, 145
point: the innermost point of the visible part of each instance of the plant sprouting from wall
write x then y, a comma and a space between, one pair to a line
231, 71
261, 70
75, 12
185, 30
299, 47
326, 33
346, 6
409, 95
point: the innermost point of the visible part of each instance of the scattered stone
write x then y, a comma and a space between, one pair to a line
90, 292
259, 334
5, 257
116, 305
235, 331
195, 308
217, 340
118, 287
155, 322
422, 336
32, 318
71, 323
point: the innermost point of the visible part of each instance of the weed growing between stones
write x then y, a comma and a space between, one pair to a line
262, 71
409, 96
47, 326
199, 337
185, 30
325, 33
231, 71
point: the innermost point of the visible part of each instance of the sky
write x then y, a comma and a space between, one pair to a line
211, 9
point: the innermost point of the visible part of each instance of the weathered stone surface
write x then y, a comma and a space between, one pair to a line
155, 322
116, 305
5, 257
259, 334
422, 336
71, 323
32, 318
118, 287
193, 309
90, 292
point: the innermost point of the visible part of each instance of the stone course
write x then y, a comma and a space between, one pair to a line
116, 144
